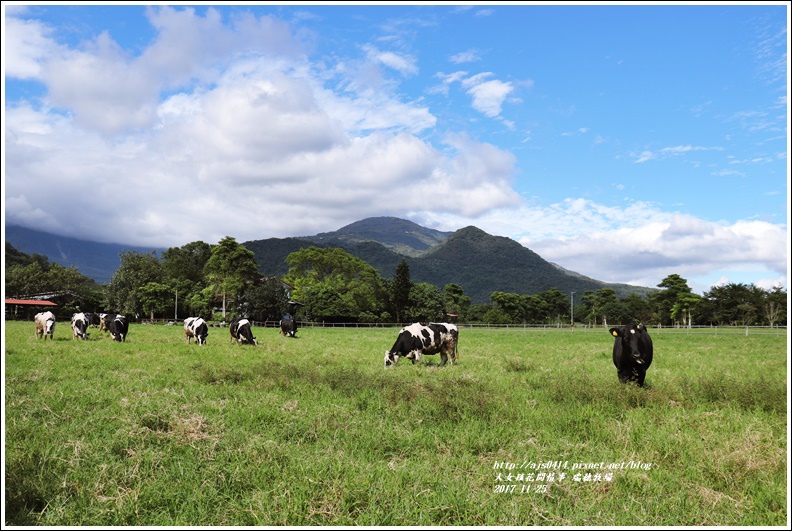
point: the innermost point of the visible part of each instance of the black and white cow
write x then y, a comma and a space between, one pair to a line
118, 327
241, 332
195, 327
288, 325
632, 352
45, 325
418, 339
79, 324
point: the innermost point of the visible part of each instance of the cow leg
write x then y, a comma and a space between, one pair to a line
641, 376
443, 358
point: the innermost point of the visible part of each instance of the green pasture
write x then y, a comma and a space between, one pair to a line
314, 431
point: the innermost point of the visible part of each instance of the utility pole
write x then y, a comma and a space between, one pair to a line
572, 309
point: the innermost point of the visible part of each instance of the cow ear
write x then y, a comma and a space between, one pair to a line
614, 332
639, 326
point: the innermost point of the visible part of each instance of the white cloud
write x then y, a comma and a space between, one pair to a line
488, 95
222, 128
401, 63
26, 45
638, 244
469, 56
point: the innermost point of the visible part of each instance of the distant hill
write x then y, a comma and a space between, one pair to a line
98, 261
399, 235
477, 261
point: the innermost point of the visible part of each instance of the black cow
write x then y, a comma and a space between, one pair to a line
422, 338
195, 327
241, 332
93, 319
288, 325
632, 352
118, 327
79, 324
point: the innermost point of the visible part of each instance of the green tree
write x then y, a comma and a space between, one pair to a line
535, 309
229, 269
400, 289
510, 304
774, 306
136, 270
154, 298
557, 306
184, 273
265, 300
187, 262
671, 302
334, 284
637, 309
602, 305
456, 302
426, 303
733, 304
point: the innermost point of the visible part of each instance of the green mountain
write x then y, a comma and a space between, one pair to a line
477, 261
98, 261
399, 235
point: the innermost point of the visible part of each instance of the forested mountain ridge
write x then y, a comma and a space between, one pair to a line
478, 262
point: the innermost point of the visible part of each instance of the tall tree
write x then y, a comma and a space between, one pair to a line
230, 267
400, 289
136, 270
456, 302
670, 302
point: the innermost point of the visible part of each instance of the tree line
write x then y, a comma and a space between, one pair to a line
222, 281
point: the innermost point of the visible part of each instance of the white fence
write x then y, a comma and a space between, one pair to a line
526, 328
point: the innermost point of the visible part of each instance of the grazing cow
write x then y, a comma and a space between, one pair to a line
79, 324
288, 325
632, 352
421, 338
93, 319
118, 326
45, 325
103, 321
241, 332
195, 327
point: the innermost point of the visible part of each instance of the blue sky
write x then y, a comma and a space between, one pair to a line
623, 142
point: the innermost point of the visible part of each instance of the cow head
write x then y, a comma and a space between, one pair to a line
390, 359
630, 337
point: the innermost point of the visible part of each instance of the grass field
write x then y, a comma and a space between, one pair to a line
314, 431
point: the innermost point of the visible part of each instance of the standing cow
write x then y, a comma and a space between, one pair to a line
632, 352
79, 324
118, 327
241, 332
288, 325
195, 327
418, 339
45, 325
